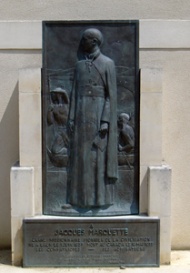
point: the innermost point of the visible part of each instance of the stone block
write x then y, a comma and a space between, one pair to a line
22, 205
151, 116
151, 80
143, 196
17, 241
38, 190
159, 191
159, 204
21, 35
22, 191
30, 117
30, 129
164, 34
30, 80
165, 240
151, 129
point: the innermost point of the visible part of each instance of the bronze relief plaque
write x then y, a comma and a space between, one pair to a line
90, 118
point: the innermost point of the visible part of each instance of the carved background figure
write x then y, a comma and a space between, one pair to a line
93, 123
126, 134
57, 117
126, 141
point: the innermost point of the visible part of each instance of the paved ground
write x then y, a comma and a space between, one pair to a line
180, 263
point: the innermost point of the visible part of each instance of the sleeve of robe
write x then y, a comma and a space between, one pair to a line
111, 86
73, 100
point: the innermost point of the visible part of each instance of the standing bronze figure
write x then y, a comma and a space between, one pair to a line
93, 126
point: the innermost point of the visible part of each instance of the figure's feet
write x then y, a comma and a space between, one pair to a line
66, 206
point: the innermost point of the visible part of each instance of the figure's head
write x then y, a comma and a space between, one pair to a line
91, 39
123, 118
59, 95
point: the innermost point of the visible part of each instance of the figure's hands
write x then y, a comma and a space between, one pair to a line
51, 107
120, 148
65, 139
103, 129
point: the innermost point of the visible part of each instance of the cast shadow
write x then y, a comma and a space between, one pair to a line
5, 256
9, 149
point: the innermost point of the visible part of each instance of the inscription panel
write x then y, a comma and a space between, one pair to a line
91, 242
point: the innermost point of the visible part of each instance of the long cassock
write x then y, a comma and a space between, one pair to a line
93, 163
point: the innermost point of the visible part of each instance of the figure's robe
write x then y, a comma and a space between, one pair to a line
93, 164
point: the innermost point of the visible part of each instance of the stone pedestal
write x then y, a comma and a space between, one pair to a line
22, 205
159, 197
26, 178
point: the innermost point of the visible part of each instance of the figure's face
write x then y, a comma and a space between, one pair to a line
56, 98
88, 43
120, 121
